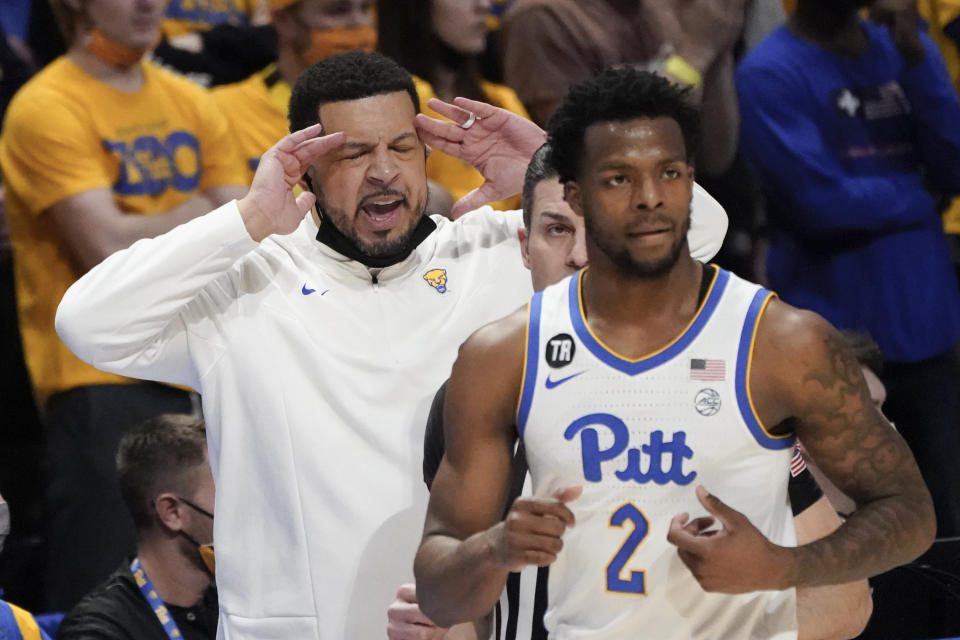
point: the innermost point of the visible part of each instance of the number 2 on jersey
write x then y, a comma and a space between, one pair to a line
635, 583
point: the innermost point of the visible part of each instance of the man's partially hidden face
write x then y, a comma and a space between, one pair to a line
634, 190
553, 247
374, 187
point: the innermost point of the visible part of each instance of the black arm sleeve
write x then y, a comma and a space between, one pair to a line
804, 491
433, 444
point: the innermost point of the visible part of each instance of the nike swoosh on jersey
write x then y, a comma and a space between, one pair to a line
550, 384
305, 291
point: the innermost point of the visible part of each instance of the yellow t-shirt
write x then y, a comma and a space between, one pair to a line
454, 174
66, 133
256, 109
187, 16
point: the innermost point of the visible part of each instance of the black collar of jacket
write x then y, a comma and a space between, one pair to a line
336, 240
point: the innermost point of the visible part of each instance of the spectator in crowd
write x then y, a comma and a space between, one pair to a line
553, 247
550, 44
216, 43
440, 42
167, 590
99, 150
317, 348
19, 430
844, 120
943, 18
14, 621
307, 32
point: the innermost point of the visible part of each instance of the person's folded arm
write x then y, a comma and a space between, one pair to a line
803, 175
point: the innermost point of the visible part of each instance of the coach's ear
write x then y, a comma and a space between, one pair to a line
571, 194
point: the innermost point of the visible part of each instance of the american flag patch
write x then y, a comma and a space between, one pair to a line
797, 463
708, 370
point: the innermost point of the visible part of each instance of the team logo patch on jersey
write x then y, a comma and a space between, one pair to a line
437, 278
560, 350
707, 402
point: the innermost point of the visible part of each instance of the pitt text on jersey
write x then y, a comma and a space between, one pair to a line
657, 452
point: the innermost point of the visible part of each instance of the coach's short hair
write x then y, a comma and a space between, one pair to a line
538, 170
159, 455
346, 76
617, 94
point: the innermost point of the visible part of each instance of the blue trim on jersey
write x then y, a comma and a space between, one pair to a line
744, 353
533, 357
633, 367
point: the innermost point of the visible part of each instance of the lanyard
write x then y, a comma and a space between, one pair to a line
150, 595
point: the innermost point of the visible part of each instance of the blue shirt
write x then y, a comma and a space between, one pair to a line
844, 146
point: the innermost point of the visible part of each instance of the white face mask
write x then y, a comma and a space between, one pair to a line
4, 523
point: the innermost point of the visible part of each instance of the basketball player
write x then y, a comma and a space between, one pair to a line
673, 381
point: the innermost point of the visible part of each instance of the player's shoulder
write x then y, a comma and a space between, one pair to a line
498, 336
792, 342
794, 325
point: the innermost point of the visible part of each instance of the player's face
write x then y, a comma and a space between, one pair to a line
373, 188
634, 192
554, 246
131, 23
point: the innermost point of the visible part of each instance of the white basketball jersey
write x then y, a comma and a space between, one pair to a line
639, 436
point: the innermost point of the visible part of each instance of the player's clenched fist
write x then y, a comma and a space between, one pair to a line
735, 559
533, 530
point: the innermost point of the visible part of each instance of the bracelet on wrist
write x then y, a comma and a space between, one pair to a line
683, 71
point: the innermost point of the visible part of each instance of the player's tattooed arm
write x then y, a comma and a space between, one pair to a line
808, 380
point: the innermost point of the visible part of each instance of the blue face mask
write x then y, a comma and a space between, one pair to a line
4, 523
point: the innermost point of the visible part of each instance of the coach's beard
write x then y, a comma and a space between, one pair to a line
386, 255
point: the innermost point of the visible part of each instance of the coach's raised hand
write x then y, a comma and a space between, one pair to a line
735, 559
269, 206
496, 142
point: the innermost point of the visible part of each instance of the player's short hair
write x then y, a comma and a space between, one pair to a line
539, 169
865, 349
613, 95
159, 455
346, 76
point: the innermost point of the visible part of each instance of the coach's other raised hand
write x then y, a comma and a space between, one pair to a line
496, 142
269, 206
